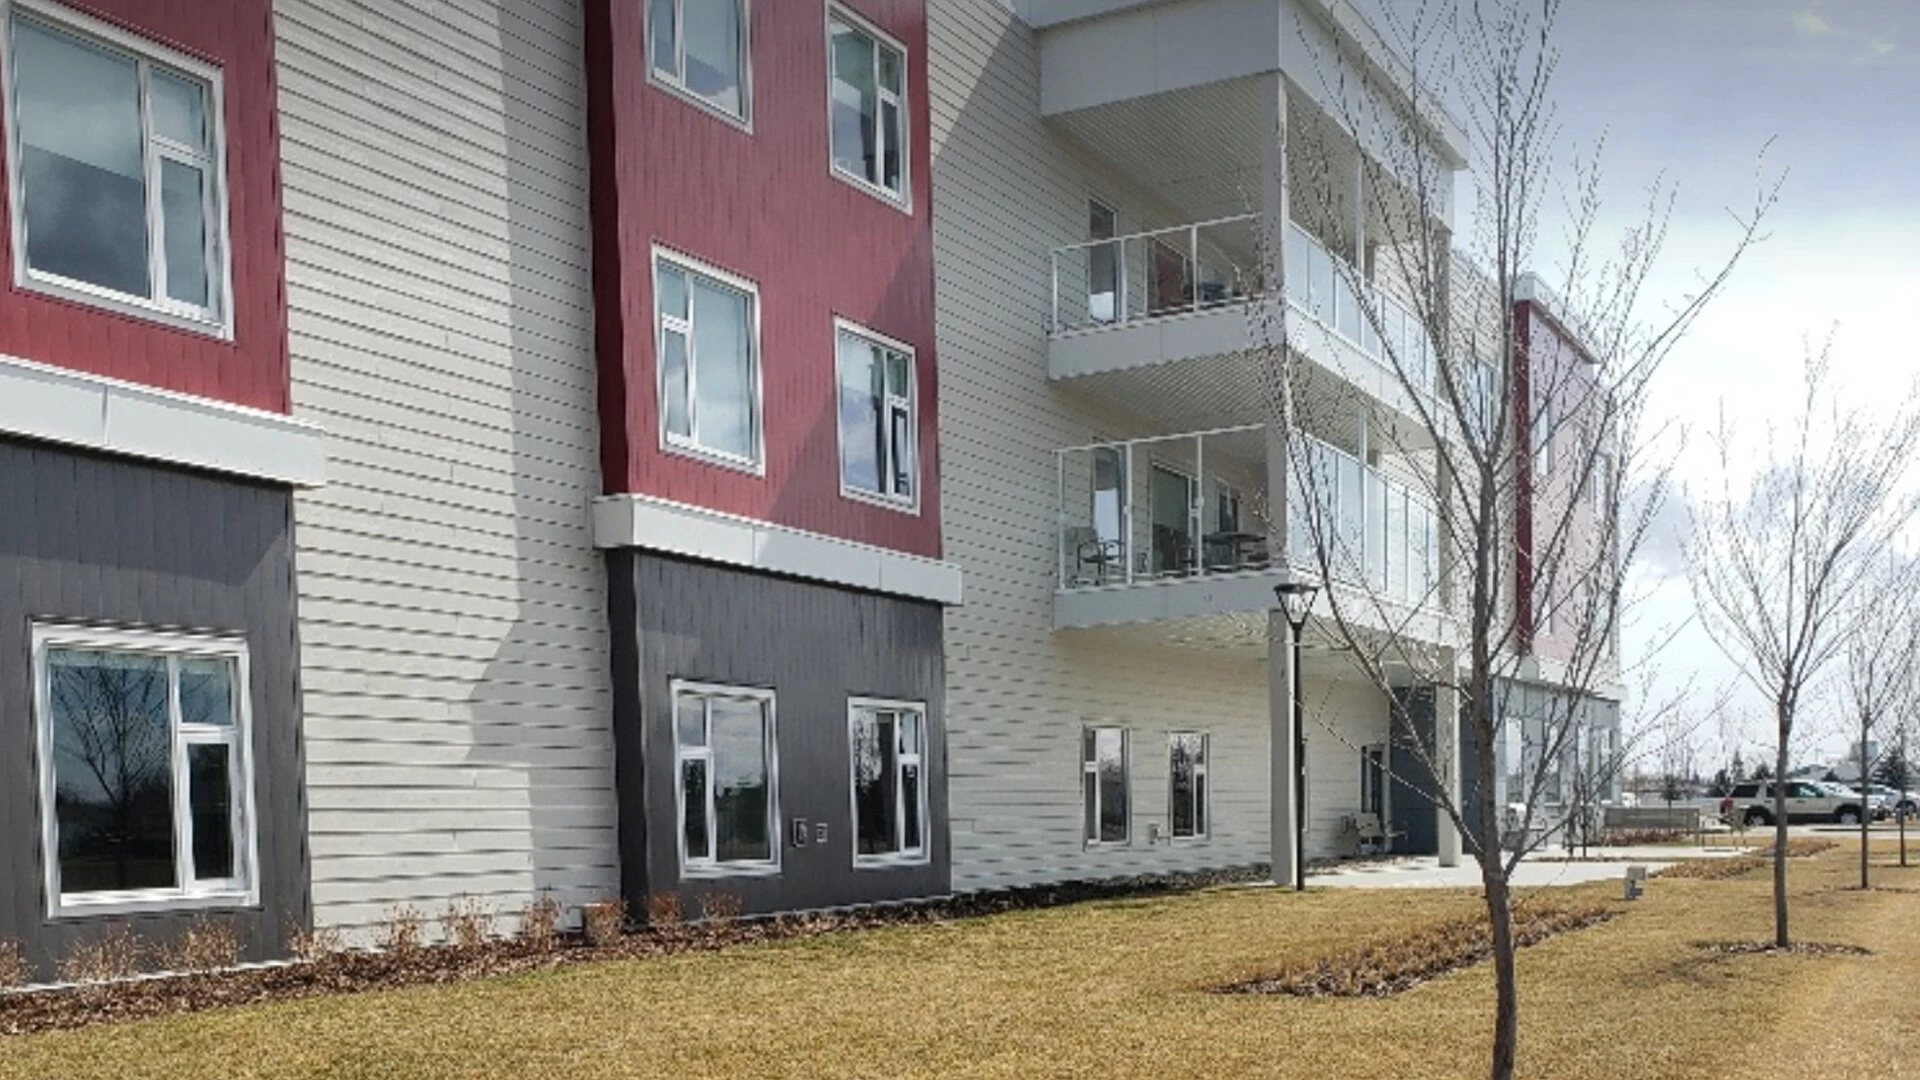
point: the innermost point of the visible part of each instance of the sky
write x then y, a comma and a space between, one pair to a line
1690, 92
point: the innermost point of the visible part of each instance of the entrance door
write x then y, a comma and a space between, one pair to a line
1104, 295
1171, 494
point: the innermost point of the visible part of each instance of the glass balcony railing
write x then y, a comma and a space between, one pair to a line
1377, 531
1323, 285
1129, 279
1191, 505
1168, 507
1190, 268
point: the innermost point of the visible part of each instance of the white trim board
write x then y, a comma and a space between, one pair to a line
39, 401
642, 521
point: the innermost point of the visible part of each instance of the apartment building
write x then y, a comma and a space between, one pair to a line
1137, 205
809, 451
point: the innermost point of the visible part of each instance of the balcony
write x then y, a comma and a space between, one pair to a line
1176, 528
1127, 280
1160, 322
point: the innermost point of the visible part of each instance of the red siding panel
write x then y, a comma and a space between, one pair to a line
765, 206
1549, 361
236, 36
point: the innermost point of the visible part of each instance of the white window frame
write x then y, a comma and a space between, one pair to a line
216, 320
1091, 767
241, 890
902, 199
708, 866
1203, 807
911, 503
690, 446
676, 85
905, 856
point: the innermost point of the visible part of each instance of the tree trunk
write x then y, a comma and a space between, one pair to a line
1506, 1016
1780, 938
1865, 726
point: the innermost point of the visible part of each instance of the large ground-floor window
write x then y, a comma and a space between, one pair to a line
724, 745
144, 745
889, 781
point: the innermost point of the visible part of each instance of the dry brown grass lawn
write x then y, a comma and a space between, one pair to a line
1114, 990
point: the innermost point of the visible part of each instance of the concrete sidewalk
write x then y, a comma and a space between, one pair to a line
1544, 869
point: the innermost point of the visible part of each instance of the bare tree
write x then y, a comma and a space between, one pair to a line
1503, 444
1896, 772
1783, 552
1883, 659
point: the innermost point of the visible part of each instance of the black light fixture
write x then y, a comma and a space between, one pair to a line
1296, 603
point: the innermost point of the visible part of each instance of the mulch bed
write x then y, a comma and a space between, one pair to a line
29, 1011
1394, 964
1768, 948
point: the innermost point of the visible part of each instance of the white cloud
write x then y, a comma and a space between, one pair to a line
1812, 24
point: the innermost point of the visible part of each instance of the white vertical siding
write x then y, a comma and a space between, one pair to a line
1007, 189
452, 606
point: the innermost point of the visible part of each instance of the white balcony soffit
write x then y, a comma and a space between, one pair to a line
673, 528
1195, 371
90, 412
1203, 598
1098, 53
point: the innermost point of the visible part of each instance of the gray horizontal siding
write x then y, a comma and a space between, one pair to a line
441, 329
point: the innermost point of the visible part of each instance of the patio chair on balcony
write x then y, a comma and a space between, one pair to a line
1094, 561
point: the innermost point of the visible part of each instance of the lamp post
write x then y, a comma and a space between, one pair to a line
1296, 601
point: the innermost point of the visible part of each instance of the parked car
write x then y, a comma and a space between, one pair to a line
1877, 806
1807, 800
1899, 803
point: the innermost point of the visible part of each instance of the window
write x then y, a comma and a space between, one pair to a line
1546, 420
119, 198
698, 48
1104, 768
1373, 781
1513, 764
877, 431
1188, 751
145, 768
889, 782
709, 356
723, 744
867, 107
1104, 264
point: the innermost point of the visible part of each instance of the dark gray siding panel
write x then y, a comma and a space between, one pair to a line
1413, 809
814, 646
86, 539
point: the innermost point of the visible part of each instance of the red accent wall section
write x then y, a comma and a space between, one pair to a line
237, 37
763, 205
1549, 361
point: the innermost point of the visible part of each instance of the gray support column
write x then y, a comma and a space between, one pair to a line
1273, 224
1446, 755
1282, 770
